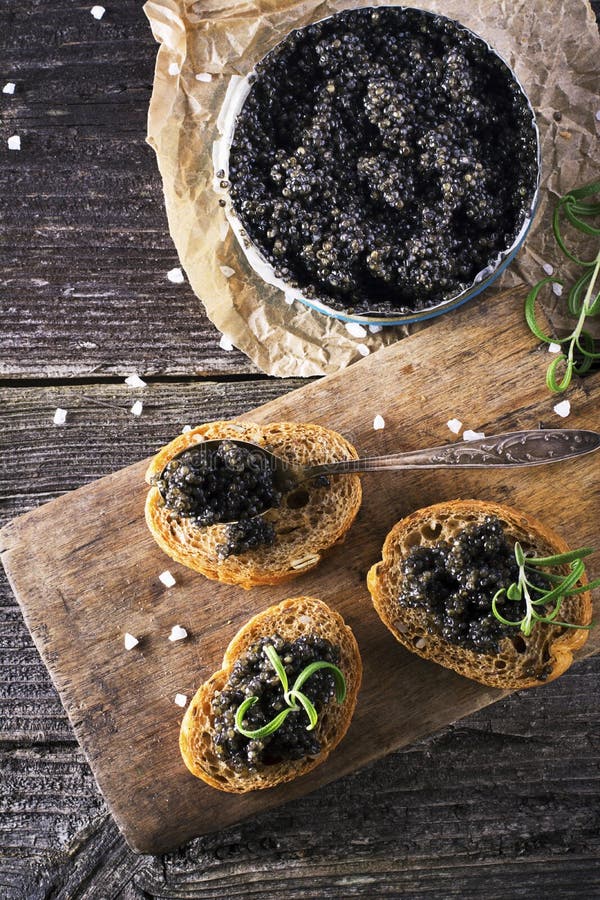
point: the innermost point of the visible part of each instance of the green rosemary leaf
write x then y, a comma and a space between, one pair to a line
308, 707
575, 299
497, 614
558, 559
340, 681
275, 661
530, 311
552, 384
267, 729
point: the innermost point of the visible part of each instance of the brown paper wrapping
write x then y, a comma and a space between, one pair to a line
553, 47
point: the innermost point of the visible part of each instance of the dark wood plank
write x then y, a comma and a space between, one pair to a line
96, 545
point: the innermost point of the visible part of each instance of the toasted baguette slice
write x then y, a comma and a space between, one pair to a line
303, 533
290, 619
522, 661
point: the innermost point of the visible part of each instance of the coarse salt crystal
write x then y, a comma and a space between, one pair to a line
177, 633
60, 416
9, 87
554, 348
563, 408
225, 343
134, 381
557, 289
224, 230
227, 271
375, 329
363, 349
186, 428
548, 269
175, 275
203, 76
97, 12
14, 142
180, 700
130, 641
174, 68
469, 435
167, 579
289, 298
454, 425
378, 423
355, 329
136, 409
598, 115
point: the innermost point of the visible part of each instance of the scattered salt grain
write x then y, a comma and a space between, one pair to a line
363, 349
97, 12
203, 76
378, 423
454, 425
469, 435
134, 381
224, 230
375, 329
14, 142
9, 87
167, 579
180, 700
174, 68
563, 408
227, 271
176, 276
177, 633
130, 641
225, 343
136, 409
60, 416
554, 348
557, 289
289, 298
598, 115
548, 269
355, 329
186, 428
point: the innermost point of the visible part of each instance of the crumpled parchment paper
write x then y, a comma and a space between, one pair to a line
552, 45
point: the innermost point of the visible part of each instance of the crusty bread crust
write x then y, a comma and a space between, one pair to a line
303, 534
290, 619
522, 661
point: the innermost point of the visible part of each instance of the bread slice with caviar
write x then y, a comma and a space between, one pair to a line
307, 523
433, 589
303, 630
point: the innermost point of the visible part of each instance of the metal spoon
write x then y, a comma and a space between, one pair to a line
510, 450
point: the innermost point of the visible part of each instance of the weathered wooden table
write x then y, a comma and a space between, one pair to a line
505, 804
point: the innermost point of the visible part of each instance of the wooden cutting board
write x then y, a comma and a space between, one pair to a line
85, 570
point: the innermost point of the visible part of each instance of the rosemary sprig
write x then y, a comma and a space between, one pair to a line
583, 299
292, 696
549, 600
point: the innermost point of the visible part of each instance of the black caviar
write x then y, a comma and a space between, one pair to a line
253, 675
382, 159
229, 483
457, 581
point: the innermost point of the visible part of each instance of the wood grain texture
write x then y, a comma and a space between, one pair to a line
98, 569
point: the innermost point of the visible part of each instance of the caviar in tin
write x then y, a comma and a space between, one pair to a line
457, 581
253, 675
382, 159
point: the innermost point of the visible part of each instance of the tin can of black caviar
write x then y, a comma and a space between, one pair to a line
381, 165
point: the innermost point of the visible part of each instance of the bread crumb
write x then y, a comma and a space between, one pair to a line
14, 142
134, 381
378, 423
174, 68
420, 644
167, 579
225, 343
469, 435
563, 408
554, 348
204, 76
177, 633
9, 87
180, 700
305, 561
548, 269
97, 12
175, 275
227, 271
356, 330
130, 641
363, 349
454, 425
136, 409
60, 416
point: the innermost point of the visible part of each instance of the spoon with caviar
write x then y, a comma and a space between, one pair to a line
230, 480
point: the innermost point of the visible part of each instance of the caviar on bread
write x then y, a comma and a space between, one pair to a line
441, 589
311, 646
274, 536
